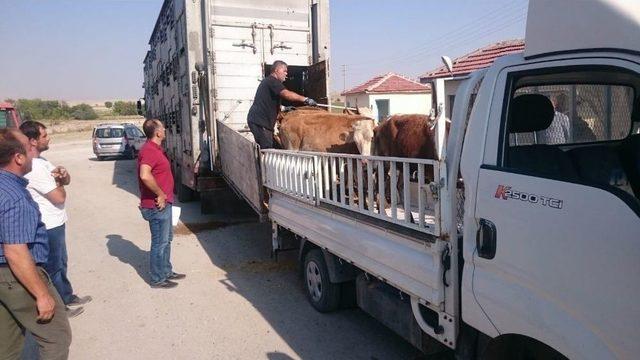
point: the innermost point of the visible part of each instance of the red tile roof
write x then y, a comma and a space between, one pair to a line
477, 59
389, 83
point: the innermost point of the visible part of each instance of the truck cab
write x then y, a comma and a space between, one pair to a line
550, 163
9, 116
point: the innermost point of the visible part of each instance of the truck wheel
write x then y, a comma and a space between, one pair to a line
323, 295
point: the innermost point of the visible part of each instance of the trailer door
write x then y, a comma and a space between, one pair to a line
316, 82
237, 69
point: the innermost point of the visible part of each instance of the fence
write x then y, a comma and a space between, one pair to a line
396, 190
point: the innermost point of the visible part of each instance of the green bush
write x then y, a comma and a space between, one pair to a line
125, 108
38, 109
83, 112
108, 104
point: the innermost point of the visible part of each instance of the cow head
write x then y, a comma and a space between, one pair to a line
363, 136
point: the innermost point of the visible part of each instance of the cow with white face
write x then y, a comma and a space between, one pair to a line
321, 131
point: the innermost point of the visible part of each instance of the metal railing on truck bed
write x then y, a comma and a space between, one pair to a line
396, 190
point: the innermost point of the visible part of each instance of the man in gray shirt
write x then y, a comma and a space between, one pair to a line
559, 130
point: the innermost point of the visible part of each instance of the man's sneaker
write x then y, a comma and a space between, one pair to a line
77, 301
164, 285
71, 313
176, 276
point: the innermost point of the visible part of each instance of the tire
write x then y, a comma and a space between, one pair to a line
323, 295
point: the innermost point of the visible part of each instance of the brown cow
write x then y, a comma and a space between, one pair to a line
320, 131
410, 136
316, 130
406, 136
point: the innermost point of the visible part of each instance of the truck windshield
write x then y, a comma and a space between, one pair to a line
109, 133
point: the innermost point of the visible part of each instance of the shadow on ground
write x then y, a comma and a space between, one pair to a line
124, 176
129, 253
275, 289
242, 248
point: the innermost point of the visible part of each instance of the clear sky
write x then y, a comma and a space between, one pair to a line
93, 49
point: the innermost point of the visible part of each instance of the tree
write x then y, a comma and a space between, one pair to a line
38, 109
83, 112
108, 104
125, 108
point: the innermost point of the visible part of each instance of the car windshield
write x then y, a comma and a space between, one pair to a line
109, 132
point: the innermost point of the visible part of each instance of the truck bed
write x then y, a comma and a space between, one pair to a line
405, 262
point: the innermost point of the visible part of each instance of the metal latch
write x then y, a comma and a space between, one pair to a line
243, 44
281, 46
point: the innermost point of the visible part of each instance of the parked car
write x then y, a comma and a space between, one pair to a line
117, 140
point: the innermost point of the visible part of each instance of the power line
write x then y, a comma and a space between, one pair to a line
460, 32
451, 42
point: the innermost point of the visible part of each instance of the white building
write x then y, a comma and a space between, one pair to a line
390, 94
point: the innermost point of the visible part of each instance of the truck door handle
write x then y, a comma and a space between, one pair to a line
486, 239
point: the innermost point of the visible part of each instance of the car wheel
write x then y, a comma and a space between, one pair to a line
323, 295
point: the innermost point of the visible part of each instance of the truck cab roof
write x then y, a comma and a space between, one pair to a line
600, 25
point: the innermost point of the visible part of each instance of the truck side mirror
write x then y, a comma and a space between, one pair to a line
139, 107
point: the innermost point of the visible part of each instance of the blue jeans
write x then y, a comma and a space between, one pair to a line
56, 264
161, 236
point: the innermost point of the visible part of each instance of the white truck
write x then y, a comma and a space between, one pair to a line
537, 254
205, 62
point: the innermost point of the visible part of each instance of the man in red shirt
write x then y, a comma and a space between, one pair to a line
156, 197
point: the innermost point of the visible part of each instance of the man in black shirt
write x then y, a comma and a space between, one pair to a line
266, 104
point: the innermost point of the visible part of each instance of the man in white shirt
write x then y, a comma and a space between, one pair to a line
46, 185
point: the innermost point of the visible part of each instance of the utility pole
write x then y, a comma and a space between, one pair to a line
344, 77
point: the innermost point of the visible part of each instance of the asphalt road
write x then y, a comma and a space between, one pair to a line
236, 302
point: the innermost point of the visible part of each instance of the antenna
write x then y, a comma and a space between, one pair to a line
447, 62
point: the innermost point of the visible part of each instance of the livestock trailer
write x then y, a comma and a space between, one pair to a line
204, 63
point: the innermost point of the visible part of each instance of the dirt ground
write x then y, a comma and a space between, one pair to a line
236, 302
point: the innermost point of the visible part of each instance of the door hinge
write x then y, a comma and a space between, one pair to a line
435, 190
446, 264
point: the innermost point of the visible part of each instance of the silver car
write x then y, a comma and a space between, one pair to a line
117, 140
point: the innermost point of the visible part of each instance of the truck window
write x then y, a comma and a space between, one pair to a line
582, 113
576, 127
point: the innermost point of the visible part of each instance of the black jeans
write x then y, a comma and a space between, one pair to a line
263, 136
